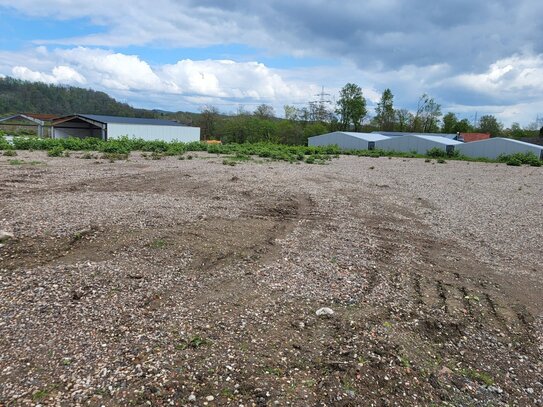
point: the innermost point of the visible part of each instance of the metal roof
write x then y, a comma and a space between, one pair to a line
364, 136
129, 120
407, 133
438, 139
117, 119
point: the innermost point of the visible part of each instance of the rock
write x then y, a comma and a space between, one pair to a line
324, 312
5, 236
210, 398
192, 398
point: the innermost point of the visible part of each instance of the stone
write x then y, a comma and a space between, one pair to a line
324, 312
5, 236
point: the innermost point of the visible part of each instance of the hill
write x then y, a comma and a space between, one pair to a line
36, 97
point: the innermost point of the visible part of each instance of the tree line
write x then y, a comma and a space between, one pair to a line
349, 113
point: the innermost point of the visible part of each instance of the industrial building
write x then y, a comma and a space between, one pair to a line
114, 127
419, 144
347, 140
494, 147
38, 124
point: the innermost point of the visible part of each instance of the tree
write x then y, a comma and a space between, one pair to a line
384, 112
463, 126
291, 113
264, 111
489, 124
208, 119
404, 119
351, 106
450, 123
427, 117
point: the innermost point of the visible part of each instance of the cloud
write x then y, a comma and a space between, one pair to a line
187, 82
375, 34
60, 75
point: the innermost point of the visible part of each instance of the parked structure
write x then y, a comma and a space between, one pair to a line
113, 127
469, 137
38, 124
419, 144
347, 140
494, 147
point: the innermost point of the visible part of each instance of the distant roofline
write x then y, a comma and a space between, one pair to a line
107, 119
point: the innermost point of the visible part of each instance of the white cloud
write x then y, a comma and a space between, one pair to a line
60, 75
513, 75
187, 82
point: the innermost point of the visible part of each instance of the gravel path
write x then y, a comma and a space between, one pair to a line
188, 282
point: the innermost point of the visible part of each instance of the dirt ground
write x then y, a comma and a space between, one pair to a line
189, 282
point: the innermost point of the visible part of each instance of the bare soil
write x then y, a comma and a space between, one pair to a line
188, 282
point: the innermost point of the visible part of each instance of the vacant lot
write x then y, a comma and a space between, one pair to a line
189, 282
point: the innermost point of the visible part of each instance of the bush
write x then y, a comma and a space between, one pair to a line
436, 152
57, 151
521, 159
10, 153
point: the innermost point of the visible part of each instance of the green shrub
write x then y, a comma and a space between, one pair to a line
10, 153
518, 159
57, 151
436, 152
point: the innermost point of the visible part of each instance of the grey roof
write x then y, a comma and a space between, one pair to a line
129, 120
438, 139
365, 136
407, 133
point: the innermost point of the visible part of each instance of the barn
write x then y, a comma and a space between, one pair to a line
494, 147
347, 140
419, 144
114, 127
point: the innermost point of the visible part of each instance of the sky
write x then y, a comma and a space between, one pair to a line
473, 57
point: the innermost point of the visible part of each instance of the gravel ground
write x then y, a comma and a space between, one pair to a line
188, 282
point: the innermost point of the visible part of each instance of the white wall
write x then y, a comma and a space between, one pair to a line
343, 140
407, 144
494, 147
150, 132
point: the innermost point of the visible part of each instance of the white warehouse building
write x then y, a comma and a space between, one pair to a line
494, 147
114, 127
347, 140
419, 144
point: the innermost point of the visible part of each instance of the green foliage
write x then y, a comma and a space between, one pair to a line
351, 106
56, 151
23, 96
426, 119
384, 112
436, 152
489, 124
10, 153
519, 159
481, 377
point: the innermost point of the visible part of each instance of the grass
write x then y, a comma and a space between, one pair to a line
481, 377
158, 244
23, 162
194, 342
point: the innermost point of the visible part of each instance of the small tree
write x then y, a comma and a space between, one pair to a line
208, 120
384, 112
489, 124
351, 107
264, 111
